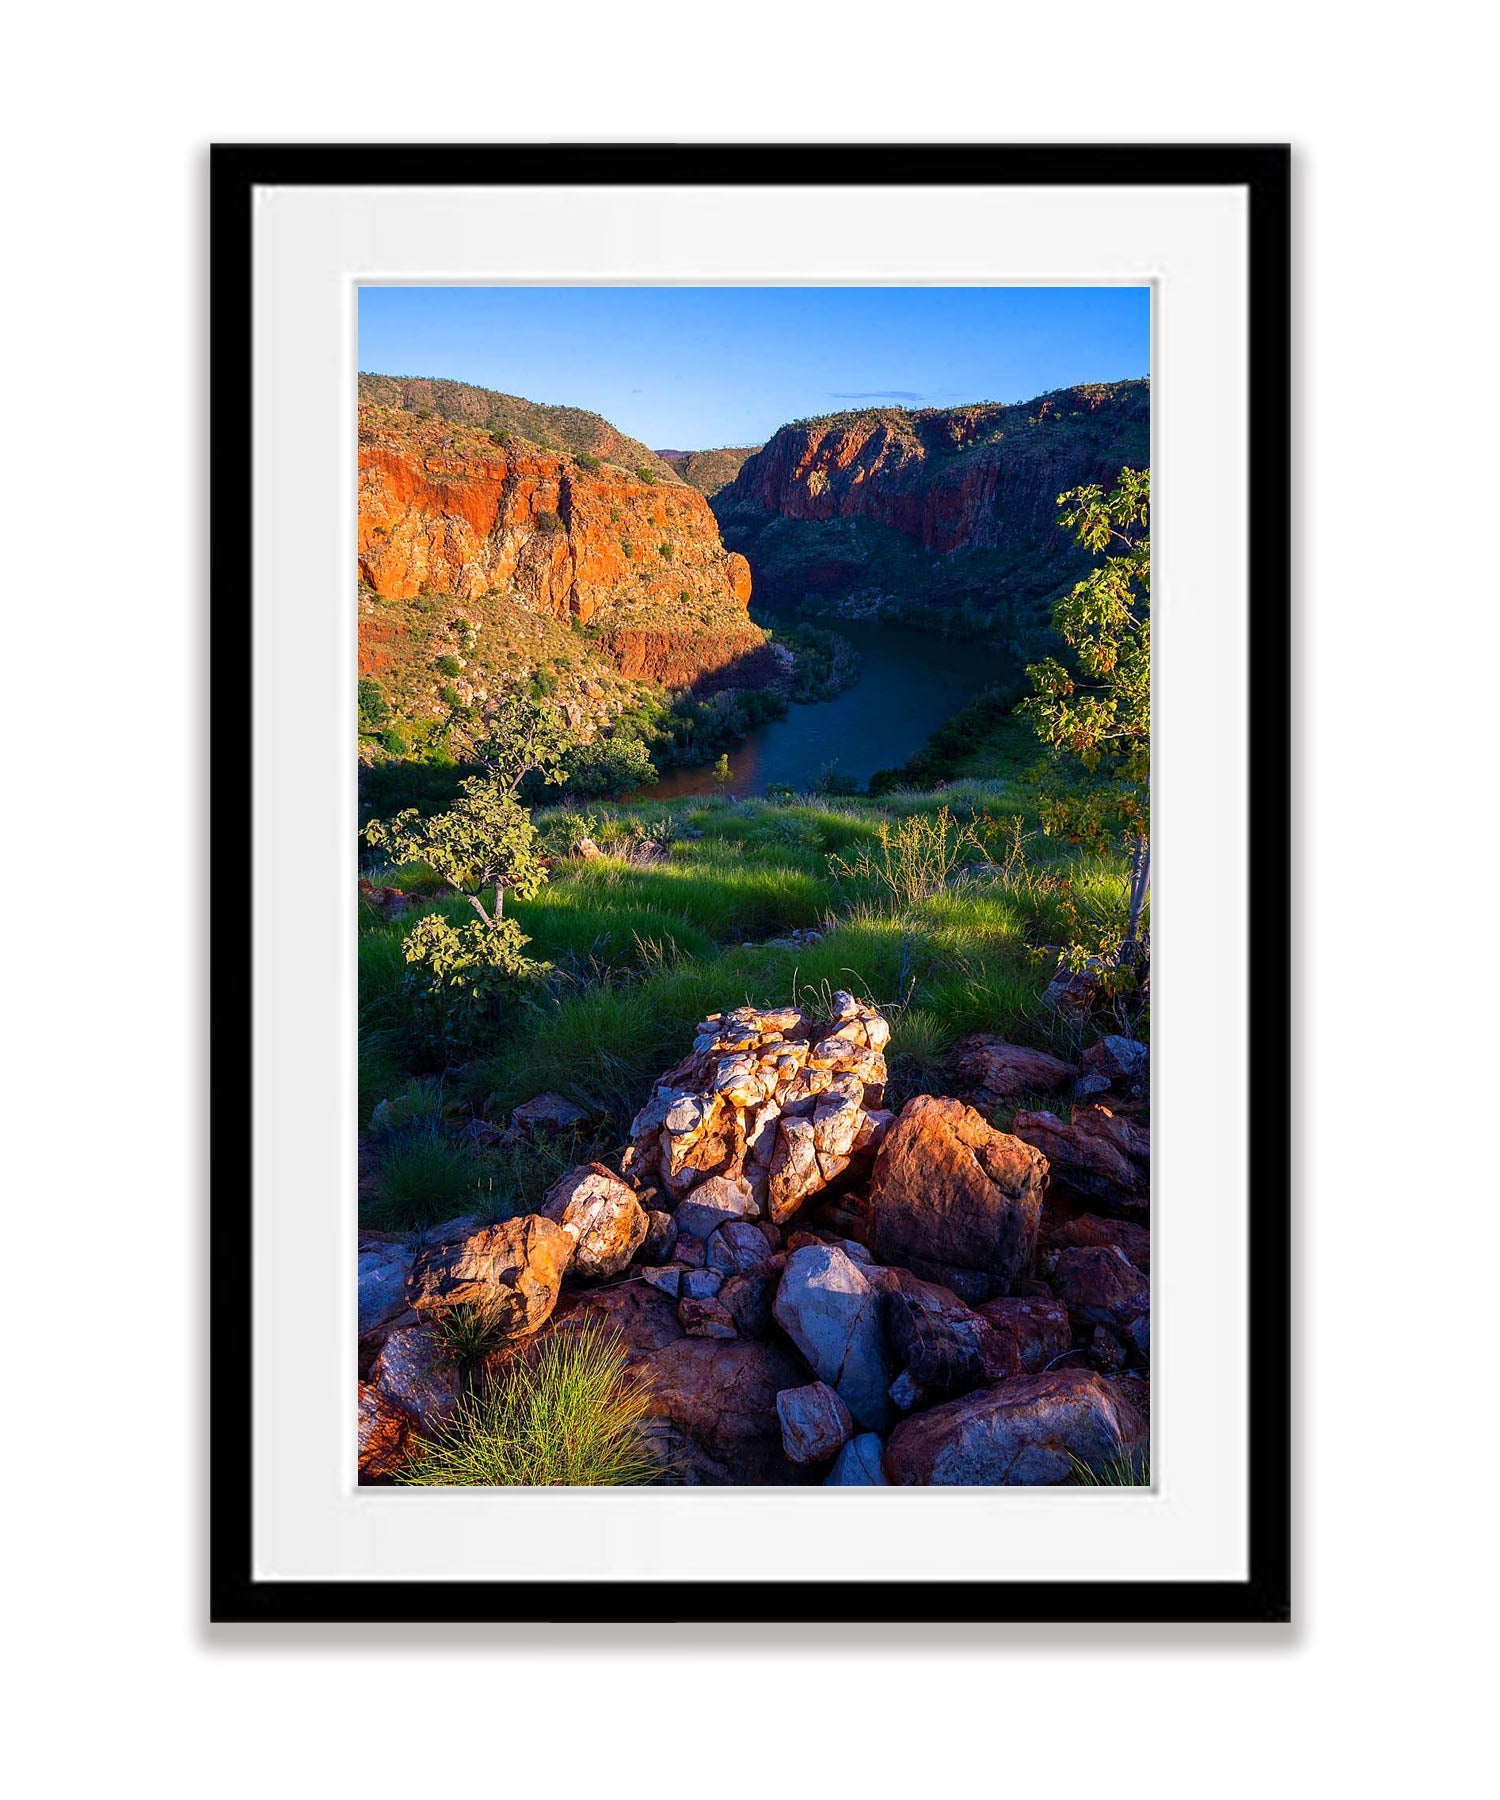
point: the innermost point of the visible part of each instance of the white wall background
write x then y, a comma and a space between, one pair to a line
1377, 1689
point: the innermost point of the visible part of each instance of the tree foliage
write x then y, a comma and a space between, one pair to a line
523, 734
465, 973
1093, 706
485, 840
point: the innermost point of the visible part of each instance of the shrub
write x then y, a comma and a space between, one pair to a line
647, 475
449, 665
587, 460
373, 711
466, 973
547, 522
570, 1415
664, 551
910, 860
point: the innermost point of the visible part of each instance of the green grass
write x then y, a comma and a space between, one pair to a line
570, 1415
424, 1178
1124, 1469
644, 949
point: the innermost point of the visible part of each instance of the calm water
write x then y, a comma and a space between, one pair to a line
909, 683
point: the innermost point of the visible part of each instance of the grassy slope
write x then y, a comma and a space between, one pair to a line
644, 950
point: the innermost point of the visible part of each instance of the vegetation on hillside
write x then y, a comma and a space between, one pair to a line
708, 470
548, 427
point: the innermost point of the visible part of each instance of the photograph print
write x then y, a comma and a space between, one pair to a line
754, 943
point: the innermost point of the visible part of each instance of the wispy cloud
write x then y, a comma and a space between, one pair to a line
903, 395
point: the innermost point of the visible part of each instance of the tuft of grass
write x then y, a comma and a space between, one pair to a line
1125, 1468
569, 1415
423, 1179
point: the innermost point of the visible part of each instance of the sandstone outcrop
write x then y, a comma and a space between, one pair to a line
445, 510
952, 1198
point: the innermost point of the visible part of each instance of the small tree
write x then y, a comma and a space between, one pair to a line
723, 774
1094, 709
485, 840
521, 735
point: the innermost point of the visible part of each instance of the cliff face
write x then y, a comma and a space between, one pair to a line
446, 510
875, 498
968, 478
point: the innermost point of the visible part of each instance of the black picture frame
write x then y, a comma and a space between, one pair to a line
1263, 171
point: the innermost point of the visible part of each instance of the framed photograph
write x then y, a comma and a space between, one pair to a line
762, 1019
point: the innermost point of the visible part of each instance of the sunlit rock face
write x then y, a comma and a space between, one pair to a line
768, 1109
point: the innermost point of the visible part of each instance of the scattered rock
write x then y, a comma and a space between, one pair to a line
950, 1192
385, 1432
415, 1369
1119, 1059
548, 1112
1089, 1229
747, 1299
943, 1347
601, 1215
665, 1279
383, 1263
999, 1071
1097, 1157
512, 1270
715, 1403
737, 1248
815, 1423
858, 1464
1100, 1286
660, 1240
1019, 1434
705, 1318
831, 1312
712, 1203
1039, 1329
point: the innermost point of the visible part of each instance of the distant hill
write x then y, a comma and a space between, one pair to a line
548, 427
944, 511
708, 470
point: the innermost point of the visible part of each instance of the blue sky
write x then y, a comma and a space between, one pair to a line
693, 368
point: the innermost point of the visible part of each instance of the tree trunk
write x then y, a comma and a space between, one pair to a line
1140, 886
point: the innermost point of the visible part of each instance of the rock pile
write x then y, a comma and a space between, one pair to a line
910, 1327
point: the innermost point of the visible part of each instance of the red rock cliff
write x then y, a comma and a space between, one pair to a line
974, 477
443, 509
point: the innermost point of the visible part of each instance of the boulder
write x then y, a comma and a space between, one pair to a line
601, 1215
666, 1279
1090, 1229
858, 1464
417, 1370
1039, 1329
383, 1263
714, 1201
737, 1248
999, 1071
385, 1432
943, 1347
705, 1318
1096, 1157
1019, 1434
747, 1299
830, 1310
699, 1284
713, 1404
950, 1192
1100, 1286
815, 1423
1119, 1059
548, 1112
512, 1271
660, 1240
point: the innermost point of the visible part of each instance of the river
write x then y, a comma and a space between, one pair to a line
909, 682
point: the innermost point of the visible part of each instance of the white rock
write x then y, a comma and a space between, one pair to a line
831, 1312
